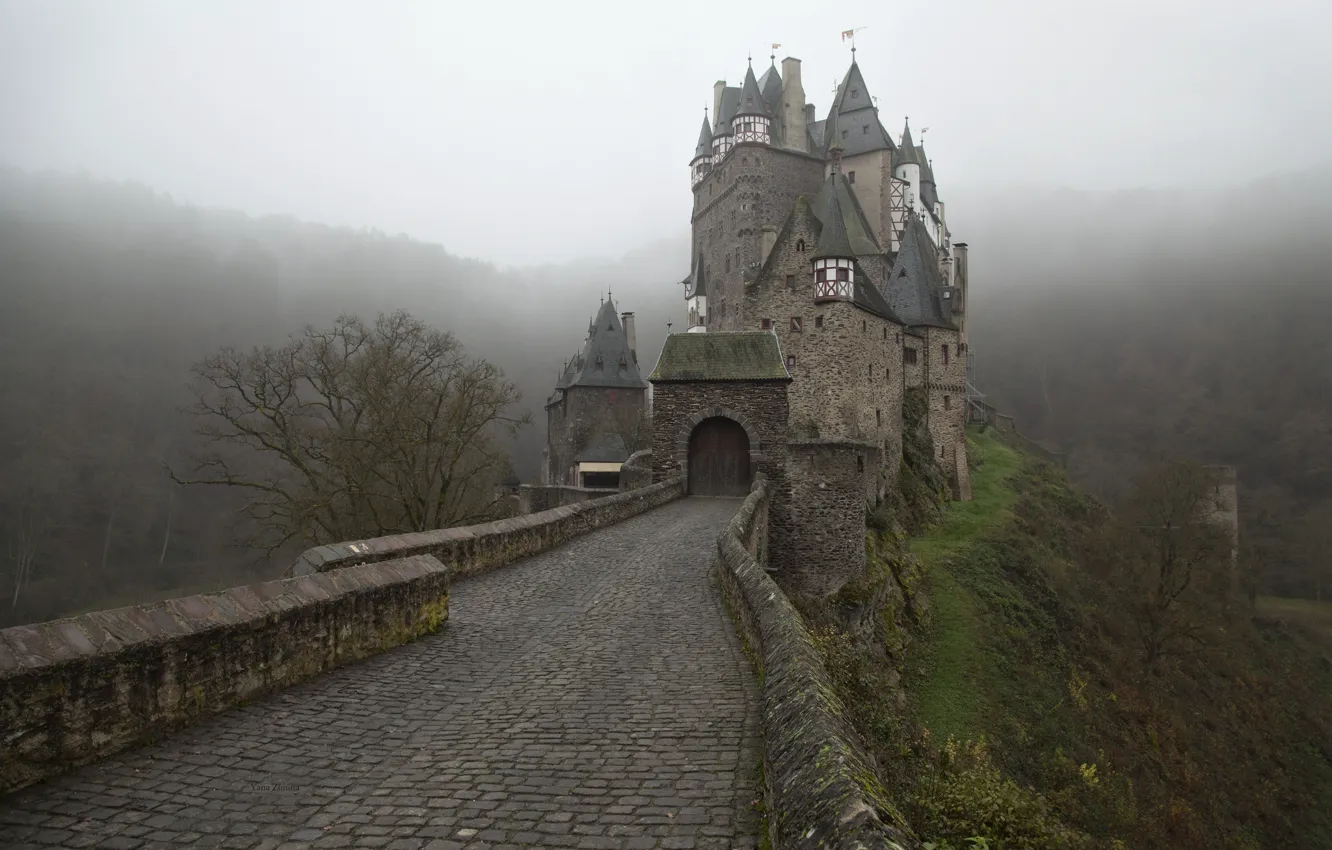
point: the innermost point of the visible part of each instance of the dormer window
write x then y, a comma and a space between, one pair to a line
598, 364
624, 364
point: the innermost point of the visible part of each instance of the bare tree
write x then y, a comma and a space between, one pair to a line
355, 431
1168, 561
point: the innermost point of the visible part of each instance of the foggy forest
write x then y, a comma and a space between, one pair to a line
1186, 335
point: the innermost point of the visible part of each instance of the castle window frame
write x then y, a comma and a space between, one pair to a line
765, 324
878, 416
790, 282
599, 364
797, 324
944, 349
818, 321
871, 370
948, 402
851, 177
800, 246
790, 361
909, 356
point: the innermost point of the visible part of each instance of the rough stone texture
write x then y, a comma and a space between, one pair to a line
847, 377
819, 528
823, 787
78, 689
759, 406
477, 548
946, 385
637, 470
751, 189
576, 415
535, 498
592, 696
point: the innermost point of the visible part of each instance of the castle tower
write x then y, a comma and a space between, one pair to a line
696, 295
834, 261
908, 167
753, 119
701, 164
795, 134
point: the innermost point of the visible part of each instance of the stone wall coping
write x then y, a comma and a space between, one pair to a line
570, 487
824, 789
322, 558
28, 648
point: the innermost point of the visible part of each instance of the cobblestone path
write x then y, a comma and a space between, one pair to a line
594, 696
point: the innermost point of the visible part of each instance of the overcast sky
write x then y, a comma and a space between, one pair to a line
523, 132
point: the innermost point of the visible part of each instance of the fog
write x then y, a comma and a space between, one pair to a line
1144, 186
524, 133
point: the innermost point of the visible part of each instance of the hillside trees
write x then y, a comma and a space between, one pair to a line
1167, 561
353, 431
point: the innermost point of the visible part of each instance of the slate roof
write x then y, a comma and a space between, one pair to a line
914, 288
605, 448
730, 102
929, 193
907, 150
856, 115
606, 340
696, 284
833, 241
815, 131
751, 97
771, 86
704, 146
858, 230
869, 298
748, 356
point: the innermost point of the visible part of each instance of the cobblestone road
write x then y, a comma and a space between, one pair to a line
592, 697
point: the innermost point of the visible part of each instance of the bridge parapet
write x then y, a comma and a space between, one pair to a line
823, 787
77, 689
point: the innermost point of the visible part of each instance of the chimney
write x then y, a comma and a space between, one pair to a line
717, 89
628, 320
794, 111
809, 114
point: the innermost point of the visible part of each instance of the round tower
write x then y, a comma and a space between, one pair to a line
834, 262
752, 121
907, 168
701, 164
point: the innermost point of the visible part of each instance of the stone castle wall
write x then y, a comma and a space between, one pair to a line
946, 385
582, 414
752, 189
818, 519
760, 406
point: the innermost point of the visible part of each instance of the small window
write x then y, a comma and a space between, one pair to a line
800, 245
948, 402
855, 92
864, 326
864, 130
790, 360
844, 132
944, 349
885, 333
766, 324
871, 370
860, 463
728, 262
850, 177
790, 282
941, 452
878, 416
909, 356
818, 321
887, 374
599, 363
797, 324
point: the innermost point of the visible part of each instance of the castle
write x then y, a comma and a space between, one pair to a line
833, 237
824, 287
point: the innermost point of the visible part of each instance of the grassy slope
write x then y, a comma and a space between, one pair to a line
1023, 651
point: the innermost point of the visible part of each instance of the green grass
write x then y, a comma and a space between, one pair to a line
951, 692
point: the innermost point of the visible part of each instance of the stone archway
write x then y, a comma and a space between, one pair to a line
719, 458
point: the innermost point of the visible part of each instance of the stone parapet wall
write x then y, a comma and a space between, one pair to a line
637, 470
823, 787
78, 689
474, 549
535, 498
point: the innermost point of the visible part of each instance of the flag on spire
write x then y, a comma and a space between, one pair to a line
775, 46
848, 34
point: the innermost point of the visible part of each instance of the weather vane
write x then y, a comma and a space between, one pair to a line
851, 36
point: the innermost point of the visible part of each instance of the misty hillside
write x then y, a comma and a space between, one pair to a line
1114, 326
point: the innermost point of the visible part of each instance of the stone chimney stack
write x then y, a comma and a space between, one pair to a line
810, 118
628, 320
717, 89
793, 105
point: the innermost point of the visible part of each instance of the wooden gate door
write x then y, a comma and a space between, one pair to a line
719, 459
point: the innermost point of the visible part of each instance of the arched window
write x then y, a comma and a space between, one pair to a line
800, 246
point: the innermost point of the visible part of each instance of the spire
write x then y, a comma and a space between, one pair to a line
908, 149
833, 132
704, 147
833, 241
751, 96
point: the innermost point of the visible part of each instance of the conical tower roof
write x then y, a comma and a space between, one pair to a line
833, 241
915, 285
704, 147
832, 133
857, 117
751, 96
907, 150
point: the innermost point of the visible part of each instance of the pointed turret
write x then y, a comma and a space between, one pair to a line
929, 193
906, 167
753, 119
832, 131
834, 260
857, 117
701, 164
915, 288
696, 294
723, 136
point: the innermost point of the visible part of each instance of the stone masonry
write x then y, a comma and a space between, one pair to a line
594, 696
